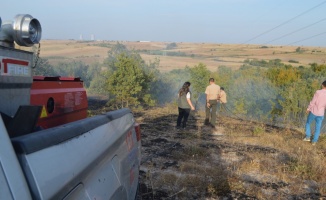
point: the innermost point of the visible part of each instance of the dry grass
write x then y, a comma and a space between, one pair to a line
244, 160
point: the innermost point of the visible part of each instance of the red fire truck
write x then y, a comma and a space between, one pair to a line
49, 148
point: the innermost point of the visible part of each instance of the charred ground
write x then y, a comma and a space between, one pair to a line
240, 160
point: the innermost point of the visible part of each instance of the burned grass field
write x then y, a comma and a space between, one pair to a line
239, 160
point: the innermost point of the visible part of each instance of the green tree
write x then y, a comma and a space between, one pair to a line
283, 76
113, 54
171, 45
129, 83
240, 107
224, 76
318, 68
298, 50
199, 76
43, 68
294, 100
98, 83
74, 69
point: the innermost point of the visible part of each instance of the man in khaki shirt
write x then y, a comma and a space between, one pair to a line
222, 100
212, 92
222, 96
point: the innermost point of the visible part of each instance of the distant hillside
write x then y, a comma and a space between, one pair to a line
179, 55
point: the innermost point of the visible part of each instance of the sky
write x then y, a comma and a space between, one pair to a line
263, 22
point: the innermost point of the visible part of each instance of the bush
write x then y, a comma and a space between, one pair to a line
293, 61
171, 45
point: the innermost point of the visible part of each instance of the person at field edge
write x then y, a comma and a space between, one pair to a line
184, 105
222, 99
212, 93
316, 110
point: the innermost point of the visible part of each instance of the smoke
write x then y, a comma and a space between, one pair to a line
252, 97
166, 88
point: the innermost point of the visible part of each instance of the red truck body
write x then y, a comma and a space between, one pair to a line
63, 100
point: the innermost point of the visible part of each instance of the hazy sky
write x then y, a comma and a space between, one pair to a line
277, 22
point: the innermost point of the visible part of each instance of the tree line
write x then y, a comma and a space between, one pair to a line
263, 90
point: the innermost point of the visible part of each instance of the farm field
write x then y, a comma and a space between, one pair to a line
183, 54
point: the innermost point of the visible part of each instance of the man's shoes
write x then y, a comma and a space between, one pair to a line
313, 143
306, 139
178, 127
